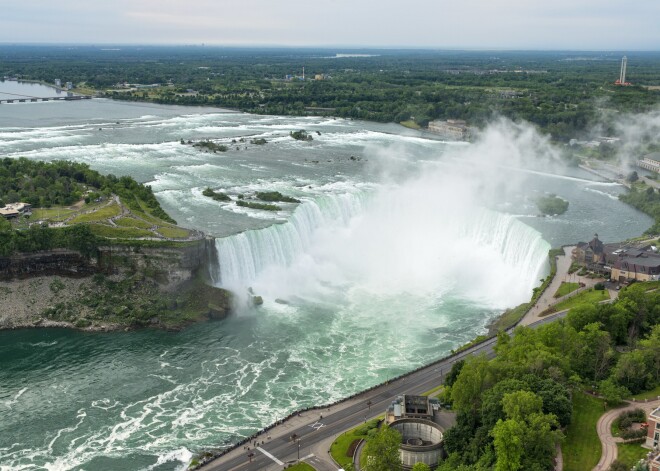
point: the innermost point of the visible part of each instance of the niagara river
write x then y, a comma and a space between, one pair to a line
402, 248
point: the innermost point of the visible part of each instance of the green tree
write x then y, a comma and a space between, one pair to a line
421, 467
612, 392
382, 451
508, 436
520, 404
474, 378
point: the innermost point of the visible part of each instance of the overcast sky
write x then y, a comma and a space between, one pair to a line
481, 24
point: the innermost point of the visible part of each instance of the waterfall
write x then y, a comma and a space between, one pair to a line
519, 246
379, 241
242, 257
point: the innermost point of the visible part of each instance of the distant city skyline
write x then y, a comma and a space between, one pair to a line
470, 24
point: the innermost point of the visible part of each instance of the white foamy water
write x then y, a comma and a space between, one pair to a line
407, 232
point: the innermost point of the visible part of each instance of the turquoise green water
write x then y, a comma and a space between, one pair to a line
390, 262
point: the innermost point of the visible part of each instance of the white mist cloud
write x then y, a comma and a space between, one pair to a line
425, 231
637, 133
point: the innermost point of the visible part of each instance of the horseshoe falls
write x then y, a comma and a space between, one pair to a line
401, 249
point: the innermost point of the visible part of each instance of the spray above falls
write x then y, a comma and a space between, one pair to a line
426, 236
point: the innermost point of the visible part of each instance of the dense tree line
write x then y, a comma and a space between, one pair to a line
61, 183
561, 92
511, 409
41, 237
646, 200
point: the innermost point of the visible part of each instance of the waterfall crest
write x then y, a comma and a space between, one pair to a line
381, 243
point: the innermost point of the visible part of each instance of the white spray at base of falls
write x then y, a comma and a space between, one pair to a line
400, 239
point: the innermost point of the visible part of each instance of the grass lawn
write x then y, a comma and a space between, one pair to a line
566, 288
590, 296
52, 214
410, 124
581, 448
172, 232
339, 448
434, 392
652, 394
510, 317
133, 222
99, 215
630, 453
301, 467
119, 232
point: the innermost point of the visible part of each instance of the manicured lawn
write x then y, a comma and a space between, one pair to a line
301, 467
590, 296
119, 232
340, 446
410, 124
630, 453
511, 316
434, 392
652, 394
566, 288
52, 214
581, 447
99, 215
133, 222
172, 232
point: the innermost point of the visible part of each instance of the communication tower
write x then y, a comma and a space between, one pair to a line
622, 74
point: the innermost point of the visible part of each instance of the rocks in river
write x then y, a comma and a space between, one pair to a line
257, 300
281, 301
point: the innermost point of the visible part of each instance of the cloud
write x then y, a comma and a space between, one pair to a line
520, 24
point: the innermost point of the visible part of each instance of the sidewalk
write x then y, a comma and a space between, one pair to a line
547, 299
604, 429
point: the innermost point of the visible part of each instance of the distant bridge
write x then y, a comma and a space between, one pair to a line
34, 99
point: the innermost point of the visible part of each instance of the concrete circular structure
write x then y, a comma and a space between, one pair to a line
422, 442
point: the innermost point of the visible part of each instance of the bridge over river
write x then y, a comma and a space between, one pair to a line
32, 99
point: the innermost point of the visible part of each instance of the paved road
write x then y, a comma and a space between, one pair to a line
604, 428
316, 433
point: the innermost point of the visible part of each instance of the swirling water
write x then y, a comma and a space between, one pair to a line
363, 255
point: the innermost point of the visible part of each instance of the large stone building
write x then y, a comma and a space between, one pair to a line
636, 264
650, 162
590, 253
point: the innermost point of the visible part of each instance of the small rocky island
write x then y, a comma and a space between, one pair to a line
552, 205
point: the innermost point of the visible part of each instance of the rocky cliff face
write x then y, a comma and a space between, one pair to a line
169, 266
56, 262
123, 287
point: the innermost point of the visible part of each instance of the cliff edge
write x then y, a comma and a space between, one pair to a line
121, 287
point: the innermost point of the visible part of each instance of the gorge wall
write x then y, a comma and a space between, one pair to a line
124, 286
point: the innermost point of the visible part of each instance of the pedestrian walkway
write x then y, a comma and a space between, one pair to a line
547, 298
604, 428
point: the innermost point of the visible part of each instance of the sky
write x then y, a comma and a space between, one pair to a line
456, 24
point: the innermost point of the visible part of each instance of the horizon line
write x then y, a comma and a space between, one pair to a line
326, 46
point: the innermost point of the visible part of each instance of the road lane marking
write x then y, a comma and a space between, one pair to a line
281, 463
317, 425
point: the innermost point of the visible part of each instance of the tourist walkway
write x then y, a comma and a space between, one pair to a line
604, 428
547, 299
